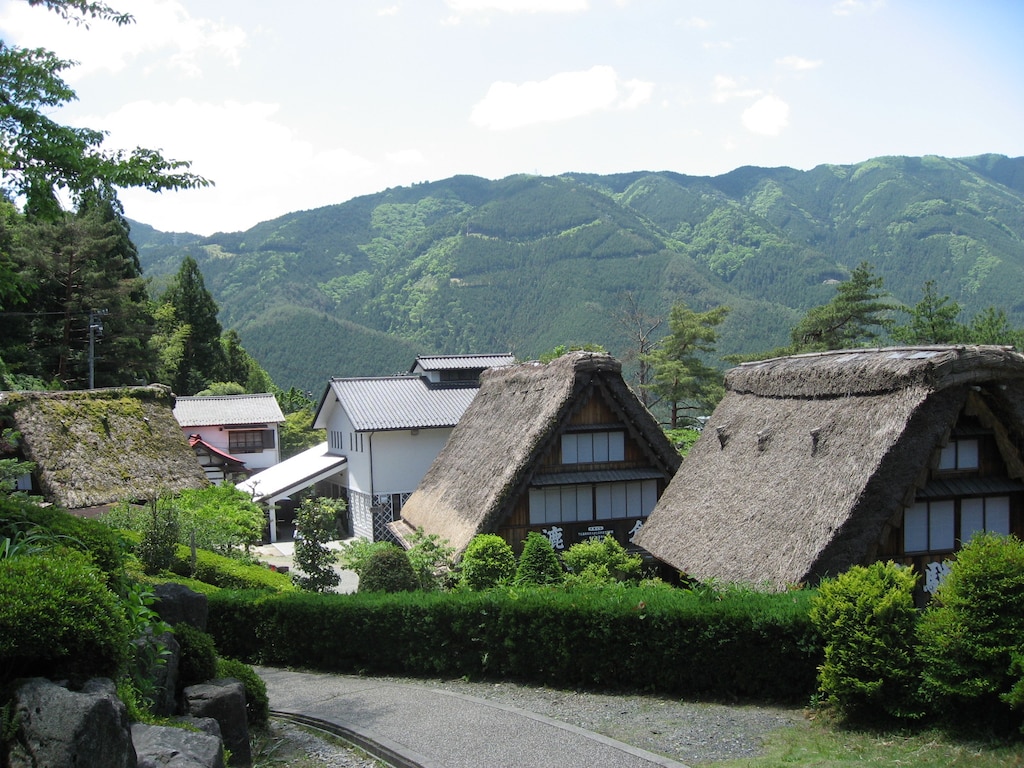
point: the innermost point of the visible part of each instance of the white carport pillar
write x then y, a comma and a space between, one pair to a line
272, 513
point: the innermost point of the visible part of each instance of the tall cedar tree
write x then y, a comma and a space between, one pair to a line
852, 318
70, 267
681, 378
192, 312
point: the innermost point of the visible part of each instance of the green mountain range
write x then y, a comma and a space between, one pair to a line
527, 263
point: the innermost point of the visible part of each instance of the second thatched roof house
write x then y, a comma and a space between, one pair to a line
565, 449
814, 463
102, 446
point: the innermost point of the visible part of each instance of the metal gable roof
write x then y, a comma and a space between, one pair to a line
227, 409
401, 402
460, 362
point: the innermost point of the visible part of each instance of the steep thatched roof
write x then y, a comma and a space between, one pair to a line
809, 459
102, 446
515, 418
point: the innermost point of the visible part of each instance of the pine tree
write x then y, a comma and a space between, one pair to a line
853, 317
681, 378
933, 320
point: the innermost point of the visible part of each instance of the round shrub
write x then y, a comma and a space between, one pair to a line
602, 560
866, 618
257, 703
57, 619
198, 656
972, 631
487, 562
388, 570
538, 564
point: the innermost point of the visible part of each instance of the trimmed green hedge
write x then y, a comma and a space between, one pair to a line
736, 645
228, 573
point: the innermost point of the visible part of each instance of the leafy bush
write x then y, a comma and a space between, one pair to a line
431, 559
355, 554
972, 631
600, 561
57, 619
487, 562
538, 563
257, 703
388, 570
219, 518
159, 539
867, 620
198, 656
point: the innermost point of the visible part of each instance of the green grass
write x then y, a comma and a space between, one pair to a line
827, 745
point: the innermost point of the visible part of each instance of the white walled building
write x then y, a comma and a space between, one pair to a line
226, 429
383, 433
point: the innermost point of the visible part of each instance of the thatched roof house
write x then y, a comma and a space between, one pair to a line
564, 448
101, 446
813, 463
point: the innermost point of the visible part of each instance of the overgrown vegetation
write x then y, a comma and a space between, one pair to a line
957, 663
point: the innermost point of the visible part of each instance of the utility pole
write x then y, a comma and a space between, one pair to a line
95, 327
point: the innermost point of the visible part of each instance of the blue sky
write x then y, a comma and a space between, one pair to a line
290, 106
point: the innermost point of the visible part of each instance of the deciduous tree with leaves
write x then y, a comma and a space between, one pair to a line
39, 157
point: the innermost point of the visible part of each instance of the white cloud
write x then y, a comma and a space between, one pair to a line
261, 167
766, 116
405, 157
725, 88
798, 63
564, 96
391, 10
851, 7
162, 26
519, 6
695, 22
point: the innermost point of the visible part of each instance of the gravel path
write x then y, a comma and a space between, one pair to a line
693, 733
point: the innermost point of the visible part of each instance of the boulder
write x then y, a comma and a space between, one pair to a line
224, 701
176, 604
160, 746
56, 726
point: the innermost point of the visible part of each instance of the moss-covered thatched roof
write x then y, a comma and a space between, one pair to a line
102, 446
808, 461
514, 419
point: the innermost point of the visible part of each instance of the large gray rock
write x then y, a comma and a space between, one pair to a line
59, 727
161, 746
224, 701
177, 604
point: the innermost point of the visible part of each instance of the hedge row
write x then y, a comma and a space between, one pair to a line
227, 572
669, 641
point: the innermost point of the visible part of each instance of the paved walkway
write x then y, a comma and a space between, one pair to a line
431, 728
281, 554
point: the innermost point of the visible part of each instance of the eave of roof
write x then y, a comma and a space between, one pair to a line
294, 474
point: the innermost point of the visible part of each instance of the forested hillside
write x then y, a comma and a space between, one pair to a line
527, 263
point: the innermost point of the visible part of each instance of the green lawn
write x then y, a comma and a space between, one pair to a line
827, 745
